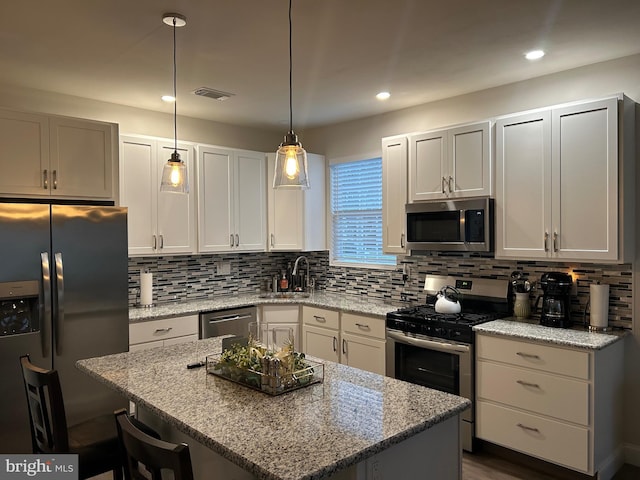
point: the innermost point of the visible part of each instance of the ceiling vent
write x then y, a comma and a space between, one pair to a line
211, 93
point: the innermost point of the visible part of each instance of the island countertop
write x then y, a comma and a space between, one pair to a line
309, 433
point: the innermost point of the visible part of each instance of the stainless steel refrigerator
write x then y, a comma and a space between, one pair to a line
63, 297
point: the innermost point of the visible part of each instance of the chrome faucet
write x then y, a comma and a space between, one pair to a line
295, 270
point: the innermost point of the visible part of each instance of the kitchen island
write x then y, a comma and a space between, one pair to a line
355, 424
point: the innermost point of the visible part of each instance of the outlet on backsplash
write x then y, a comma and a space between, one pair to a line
223, 268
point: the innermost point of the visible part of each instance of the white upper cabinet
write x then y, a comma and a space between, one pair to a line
231, 200
159, 223
394, 194
450, 163
557, 191
57, 156
297, 218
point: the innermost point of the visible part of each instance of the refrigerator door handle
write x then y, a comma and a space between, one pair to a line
59, 304
45, 307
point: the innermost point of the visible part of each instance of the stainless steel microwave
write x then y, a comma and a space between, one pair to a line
451, 225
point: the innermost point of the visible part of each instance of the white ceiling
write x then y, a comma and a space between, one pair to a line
344, 51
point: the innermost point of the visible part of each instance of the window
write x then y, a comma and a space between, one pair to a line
356, 213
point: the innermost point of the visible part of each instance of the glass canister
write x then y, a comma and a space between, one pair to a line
522, 305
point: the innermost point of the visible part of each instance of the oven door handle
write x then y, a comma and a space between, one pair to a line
433, 345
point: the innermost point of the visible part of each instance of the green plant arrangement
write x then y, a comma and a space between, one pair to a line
272, 372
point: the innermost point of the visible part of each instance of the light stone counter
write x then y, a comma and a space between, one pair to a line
311, 433
540, 333
343, 302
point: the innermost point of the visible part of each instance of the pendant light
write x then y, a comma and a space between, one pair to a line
174, 174
291, 159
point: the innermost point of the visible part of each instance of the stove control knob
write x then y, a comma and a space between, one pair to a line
440, 331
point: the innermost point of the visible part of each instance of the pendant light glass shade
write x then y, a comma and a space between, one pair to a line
175, 178
174, 175
291, 169
291, 164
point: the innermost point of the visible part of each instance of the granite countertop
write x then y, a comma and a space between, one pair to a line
559, 336
338, 301
308, 433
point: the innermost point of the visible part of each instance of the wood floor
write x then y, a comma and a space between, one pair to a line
485, 465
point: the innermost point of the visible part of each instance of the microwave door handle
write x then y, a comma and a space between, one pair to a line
463, 233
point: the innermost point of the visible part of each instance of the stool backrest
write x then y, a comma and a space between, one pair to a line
46, 408
155, 455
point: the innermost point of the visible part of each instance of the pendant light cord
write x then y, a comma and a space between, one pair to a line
290, 73
175, 97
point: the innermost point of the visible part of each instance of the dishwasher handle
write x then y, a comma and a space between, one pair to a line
227, 318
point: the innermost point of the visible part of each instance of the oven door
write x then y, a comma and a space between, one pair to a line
437, 364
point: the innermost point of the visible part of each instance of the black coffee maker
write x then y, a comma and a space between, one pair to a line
556, 301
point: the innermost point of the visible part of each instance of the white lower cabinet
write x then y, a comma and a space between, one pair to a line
556, 403
354, 340
278, 323
163, 332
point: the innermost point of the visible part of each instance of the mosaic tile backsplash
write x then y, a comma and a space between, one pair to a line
196, 276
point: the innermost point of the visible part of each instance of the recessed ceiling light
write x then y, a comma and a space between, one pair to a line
534, 55
383, 95
168, 98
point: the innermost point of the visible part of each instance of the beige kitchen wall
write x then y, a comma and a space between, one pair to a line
141, 122
350, 139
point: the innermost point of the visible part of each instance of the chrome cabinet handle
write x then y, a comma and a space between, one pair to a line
154, 242
442, 183
237, 240
528, 355
531, 429
161, 242
450, 184
402, 242
335, 344
527, 384
320, 319
273, 240
555, 241
164, 330
344, 346
45, 179
231, 240
55, 179
364, 326
546, 241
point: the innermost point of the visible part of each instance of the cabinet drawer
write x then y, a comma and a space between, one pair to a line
550, 440
163, 329
538, 392
320, 317
532, 355
361, 325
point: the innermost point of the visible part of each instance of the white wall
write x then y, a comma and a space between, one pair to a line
138, 121
617, 76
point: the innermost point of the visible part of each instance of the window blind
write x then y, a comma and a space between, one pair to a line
356, 213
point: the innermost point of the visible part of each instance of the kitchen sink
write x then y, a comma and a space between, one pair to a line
285, 295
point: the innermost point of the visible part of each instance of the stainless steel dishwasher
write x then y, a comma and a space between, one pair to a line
232, 321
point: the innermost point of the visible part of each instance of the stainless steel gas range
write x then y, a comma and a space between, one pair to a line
436, 349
